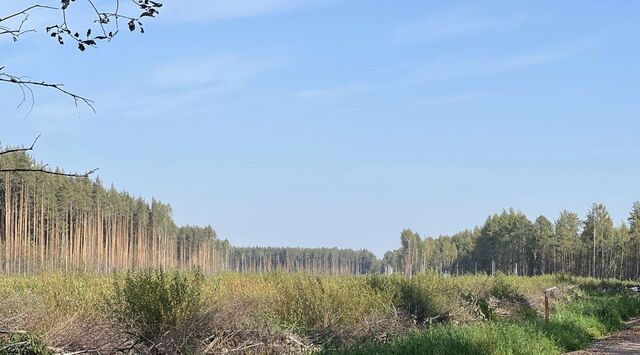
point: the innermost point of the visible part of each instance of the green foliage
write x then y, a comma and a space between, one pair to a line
424, 297
321, 307
573, 326
336, 312
23, 344
487, 311
482, 338
577, 322
503, 288
153, 300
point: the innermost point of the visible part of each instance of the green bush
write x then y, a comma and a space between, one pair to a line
503, 289
573, 325
419, 301
424, 297
153, 301
321, 307
23, 344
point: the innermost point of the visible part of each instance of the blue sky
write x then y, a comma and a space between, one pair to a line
339, 123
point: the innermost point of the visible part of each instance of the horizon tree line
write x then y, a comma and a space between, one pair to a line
509, 242
52, 223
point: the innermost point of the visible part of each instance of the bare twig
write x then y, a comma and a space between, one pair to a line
27, 83
42, 169
45, 171
24, 12
62, 32
16, 150
244, 347
81, 352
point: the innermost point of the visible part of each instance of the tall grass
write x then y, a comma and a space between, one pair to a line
573, 326
153, 301
481, 338
466, 314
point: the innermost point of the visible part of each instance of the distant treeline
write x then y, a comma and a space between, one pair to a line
510, 243
332, 261
56, 223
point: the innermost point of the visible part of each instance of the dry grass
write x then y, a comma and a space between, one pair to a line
271, 313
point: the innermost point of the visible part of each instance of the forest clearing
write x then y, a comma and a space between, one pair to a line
319, 177
86, 269
189, 313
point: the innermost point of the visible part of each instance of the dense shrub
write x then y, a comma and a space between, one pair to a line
425, 297
326, 309
503, 288
153, 301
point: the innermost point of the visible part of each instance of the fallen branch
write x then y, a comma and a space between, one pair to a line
6, 331
80, 352
14, 345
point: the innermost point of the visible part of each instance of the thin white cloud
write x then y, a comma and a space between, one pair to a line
52, 117
198, 10
540, 58
453, 23
444, 100
332, 93
200, 84
154, 105
224, 72
450, 68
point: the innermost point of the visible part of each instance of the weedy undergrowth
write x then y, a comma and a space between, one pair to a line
152, 302
23, 344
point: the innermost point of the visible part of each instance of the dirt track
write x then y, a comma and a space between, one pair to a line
626, 341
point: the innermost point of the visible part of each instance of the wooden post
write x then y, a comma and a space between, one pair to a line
546, 307
546, 303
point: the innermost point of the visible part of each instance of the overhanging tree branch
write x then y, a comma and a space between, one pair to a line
26, 10
14, 25
23, 150
26, 87
42, 169
45, 171
108, 21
